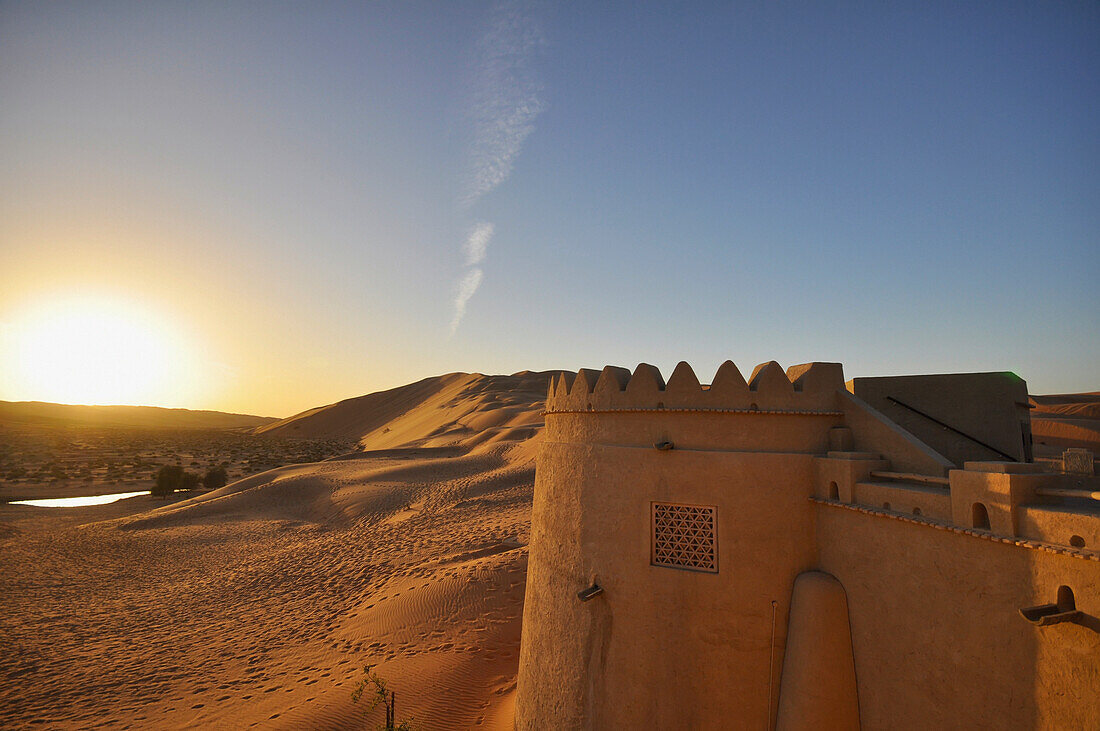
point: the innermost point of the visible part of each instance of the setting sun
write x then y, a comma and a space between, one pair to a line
94, 351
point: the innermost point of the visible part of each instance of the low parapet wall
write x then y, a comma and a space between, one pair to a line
808, 387
774, 411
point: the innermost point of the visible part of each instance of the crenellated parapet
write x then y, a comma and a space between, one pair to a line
809, 388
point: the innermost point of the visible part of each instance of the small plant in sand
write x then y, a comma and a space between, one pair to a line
380, 694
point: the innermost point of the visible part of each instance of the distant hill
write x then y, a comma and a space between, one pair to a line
1070, 405
457, 409
1066, 420
39, 413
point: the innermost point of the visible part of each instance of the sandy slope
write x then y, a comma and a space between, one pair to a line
1059, 421
258, 604
456, 409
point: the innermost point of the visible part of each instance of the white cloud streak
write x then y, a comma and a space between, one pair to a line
505, 101
506, 98
466, 288
477, 242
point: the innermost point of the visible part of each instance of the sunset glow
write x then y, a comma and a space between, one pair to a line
335, 200
94, 350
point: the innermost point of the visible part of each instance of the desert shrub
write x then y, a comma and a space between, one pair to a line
214, 478
189, 481
169, 479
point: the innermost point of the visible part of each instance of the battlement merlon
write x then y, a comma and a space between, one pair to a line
810, 387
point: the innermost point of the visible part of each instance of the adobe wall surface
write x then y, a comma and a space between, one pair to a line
937, 634
818, 690
667, 647
662, 647
804, 477
1057, 524
699, 430
990, 407
873, 432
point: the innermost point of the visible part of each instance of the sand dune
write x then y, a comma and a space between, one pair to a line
1060, 421
1054, 401
1059, 434
458, 409
259, 603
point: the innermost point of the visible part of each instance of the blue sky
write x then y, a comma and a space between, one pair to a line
901, 188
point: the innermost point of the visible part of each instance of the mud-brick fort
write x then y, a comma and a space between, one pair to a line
795, 552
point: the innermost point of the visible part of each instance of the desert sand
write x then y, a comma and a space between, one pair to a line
257, 605
1061, 421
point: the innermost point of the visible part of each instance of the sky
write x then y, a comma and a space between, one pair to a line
264, 207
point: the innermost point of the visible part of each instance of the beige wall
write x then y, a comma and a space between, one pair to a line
937, 634
991, 407
695, 430
662, 647
928, 502
818, 690
1055, 524
873, 432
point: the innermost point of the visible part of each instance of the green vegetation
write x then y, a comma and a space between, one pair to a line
169, 479
380, 695
189, 481
63, 455
172, 477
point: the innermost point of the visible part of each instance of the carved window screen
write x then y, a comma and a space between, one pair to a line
685, 537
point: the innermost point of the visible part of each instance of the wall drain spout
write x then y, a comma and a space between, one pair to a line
590, 593
1044, 615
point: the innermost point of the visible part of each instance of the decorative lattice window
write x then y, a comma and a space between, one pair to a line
685, 536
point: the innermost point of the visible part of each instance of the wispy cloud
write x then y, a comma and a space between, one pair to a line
477, 242
506, 97
466, 288
505, 100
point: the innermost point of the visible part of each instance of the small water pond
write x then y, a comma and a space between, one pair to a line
79, 502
